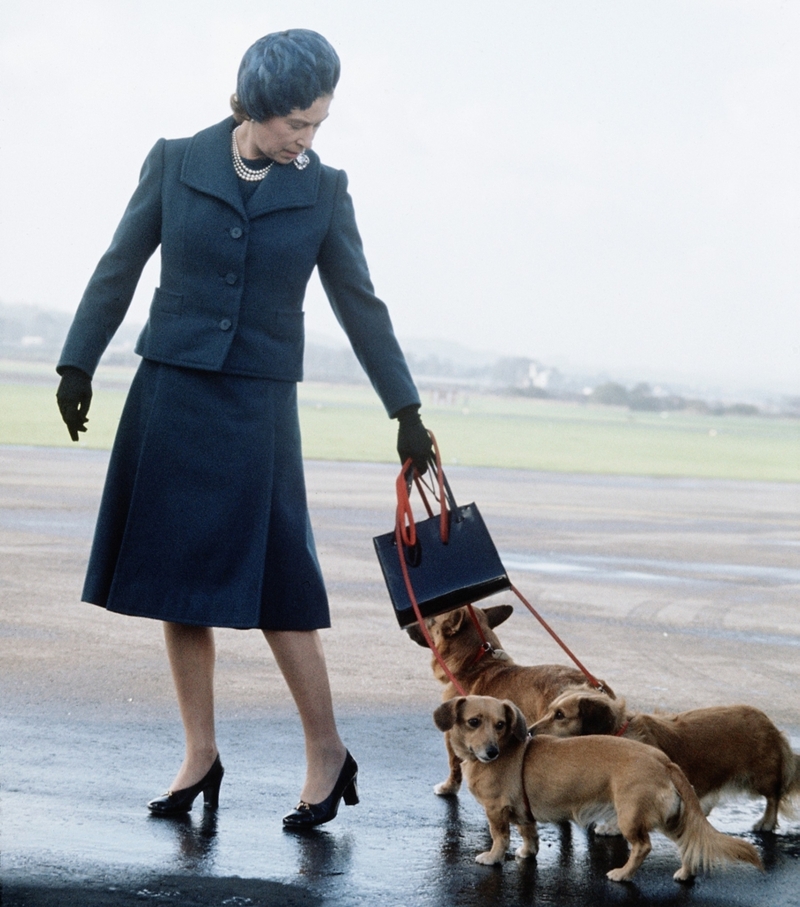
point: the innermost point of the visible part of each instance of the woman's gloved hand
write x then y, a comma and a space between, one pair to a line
74, 395
413, 439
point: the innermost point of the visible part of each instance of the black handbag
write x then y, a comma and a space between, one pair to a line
448, 560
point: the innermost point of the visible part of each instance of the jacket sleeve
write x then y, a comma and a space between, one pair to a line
111, 287
365, 319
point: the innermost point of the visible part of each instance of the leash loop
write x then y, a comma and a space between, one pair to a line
442, 494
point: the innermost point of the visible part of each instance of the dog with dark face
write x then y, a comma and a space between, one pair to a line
516, 778
721, 749
477, 660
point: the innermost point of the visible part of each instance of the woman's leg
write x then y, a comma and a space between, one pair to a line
300, 657
191, 658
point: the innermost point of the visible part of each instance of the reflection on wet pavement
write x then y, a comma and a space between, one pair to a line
401, 846
195, 840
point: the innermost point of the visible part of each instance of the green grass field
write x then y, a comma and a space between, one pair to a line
348, 423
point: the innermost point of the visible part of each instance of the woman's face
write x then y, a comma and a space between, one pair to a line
283, 138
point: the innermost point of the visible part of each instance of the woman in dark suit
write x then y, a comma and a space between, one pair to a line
203, 521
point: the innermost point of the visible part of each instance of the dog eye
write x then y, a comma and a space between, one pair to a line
500, 725
559, 715
474, 722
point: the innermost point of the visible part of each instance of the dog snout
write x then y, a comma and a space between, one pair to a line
489, 754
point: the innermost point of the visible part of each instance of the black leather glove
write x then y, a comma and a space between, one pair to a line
413, 439
74, 395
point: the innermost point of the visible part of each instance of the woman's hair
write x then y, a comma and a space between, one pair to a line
283, 71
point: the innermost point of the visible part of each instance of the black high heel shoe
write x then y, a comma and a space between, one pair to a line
307, 815
174, 802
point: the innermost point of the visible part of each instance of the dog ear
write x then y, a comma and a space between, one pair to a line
497, 614
607, 691
415, 633
516, 720
597, 716
452, 623
445, 715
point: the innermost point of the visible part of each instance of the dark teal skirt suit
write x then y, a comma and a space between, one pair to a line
204, 518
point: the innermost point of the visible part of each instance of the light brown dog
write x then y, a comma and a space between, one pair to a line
488, 670
516, 777
722, 749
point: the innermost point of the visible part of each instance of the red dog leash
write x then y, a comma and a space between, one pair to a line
406, 535
593, 681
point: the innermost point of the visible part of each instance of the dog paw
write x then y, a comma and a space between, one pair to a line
607, 829
683, 875
524, 852
765, 826
618, 875
487, 858
446, 789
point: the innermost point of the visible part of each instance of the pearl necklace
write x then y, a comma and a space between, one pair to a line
242, 170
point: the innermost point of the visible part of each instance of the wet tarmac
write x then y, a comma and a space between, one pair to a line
679, 593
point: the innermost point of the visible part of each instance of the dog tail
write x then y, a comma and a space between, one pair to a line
702, 847
790, 789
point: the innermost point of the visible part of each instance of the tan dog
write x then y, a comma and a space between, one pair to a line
516, 777
489, 670
720, 749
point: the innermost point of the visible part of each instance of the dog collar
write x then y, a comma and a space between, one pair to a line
528, 811
486, 648
621, 731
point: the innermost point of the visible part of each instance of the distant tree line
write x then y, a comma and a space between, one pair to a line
31, 333
641, 397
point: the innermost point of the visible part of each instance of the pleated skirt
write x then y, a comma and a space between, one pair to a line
204, 516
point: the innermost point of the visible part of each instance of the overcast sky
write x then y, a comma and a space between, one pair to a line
593, 184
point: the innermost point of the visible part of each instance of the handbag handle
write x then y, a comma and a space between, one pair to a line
404, 516
405, 532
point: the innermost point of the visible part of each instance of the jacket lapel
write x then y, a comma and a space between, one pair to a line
286, 187
207, 168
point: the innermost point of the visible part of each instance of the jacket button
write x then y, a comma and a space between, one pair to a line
231, 278
225, 324
236, 232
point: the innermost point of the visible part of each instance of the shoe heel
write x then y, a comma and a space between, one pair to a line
173, 803
350, 794
211, 793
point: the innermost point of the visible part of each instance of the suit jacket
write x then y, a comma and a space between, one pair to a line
234, 274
